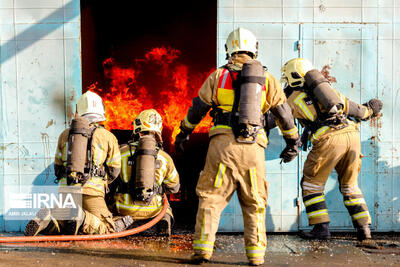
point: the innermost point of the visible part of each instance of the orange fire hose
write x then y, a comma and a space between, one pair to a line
10, 239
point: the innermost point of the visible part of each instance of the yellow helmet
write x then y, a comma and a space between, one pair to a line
294, 70
90, 103
241, 40
148, 120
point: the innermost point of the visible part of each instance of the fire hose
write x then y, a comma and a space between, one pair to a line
11, 239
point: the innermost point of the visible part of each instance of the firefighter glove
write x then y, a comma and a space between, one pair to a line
180, 141
304, 142
291, 150
375, 105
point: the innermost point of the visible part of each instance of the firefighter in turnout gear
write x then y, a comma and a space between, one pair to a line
147, 171
330, 121
239, 93
87, 158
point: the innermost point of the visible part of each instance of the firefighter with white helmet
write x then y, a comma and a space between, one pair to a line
87, 156
147, 172
239, 93
241, 40
326, 114
91, 106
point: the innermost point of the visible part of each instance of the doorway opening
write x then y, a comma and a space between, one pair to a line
139, 55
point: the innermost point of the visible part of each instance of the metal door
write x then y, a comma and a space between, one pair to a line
347, 53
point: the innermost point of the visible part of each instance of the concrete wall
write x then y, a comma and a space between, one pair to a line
40, 78
358, 43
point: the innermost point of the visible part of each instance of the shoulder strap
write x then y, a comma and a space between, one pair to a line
288, 91
89, 150
227, 66
234, 113
320, 115
130, 186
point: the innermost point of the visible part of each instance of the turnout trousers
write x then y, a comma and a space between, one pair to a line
339, 150
97, 218
231, 166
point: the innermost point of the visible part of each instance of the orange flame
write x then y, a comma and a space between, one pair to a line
158, 81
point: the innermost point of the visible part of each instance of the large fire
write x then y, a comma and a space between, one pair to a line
157, 81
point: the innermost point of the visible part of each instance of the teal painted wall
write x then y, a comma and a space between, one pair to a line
40, 79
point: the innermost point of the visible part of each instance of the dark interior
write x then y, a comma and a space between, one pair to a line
124, 30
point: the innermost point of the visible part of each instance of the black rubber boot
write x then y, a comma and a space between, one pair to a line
200, 258
363, 233
320, 231
256, 261
74, 225
164, 225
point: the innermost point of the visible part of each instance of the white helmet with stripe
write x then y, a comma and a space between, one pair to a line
241, 40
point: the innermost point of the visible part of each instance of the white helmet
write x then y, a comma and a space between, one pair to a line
90, 103
241, 40
294, 70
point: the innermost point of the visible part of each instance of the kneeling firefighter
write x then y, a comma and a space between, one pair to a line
328, 118
239, 93
147, 172
88, 158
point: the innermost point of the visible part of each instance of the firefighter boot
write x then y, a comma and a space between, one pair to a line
123, 223
42, 221
256, 261
73, 225
363, 233
320, 231
200, 258
164, 225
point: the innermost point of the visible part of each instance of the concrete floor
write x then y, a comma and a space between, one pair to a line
283, 250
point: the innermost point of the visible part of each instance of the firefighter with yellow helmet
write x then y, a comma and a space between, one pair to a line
239, 93
147, 172
328, 118
88, 158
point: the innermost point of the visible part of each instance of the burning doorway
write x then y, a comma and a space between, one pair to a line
153, 54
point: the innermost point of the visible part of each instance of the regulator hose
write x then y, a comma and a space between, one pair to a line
14, 239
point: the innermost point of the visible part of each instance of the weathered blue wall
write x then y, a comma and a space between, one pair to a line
40, 78
359, 41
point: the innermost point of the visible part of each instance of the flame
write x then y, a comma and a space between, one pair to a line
157, 81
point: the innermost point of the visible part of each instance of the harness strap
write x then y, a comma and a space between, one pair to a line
82, 131
132, 162
126, 188
234, 115
253, 79
146, 152
96, 171
89, 149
